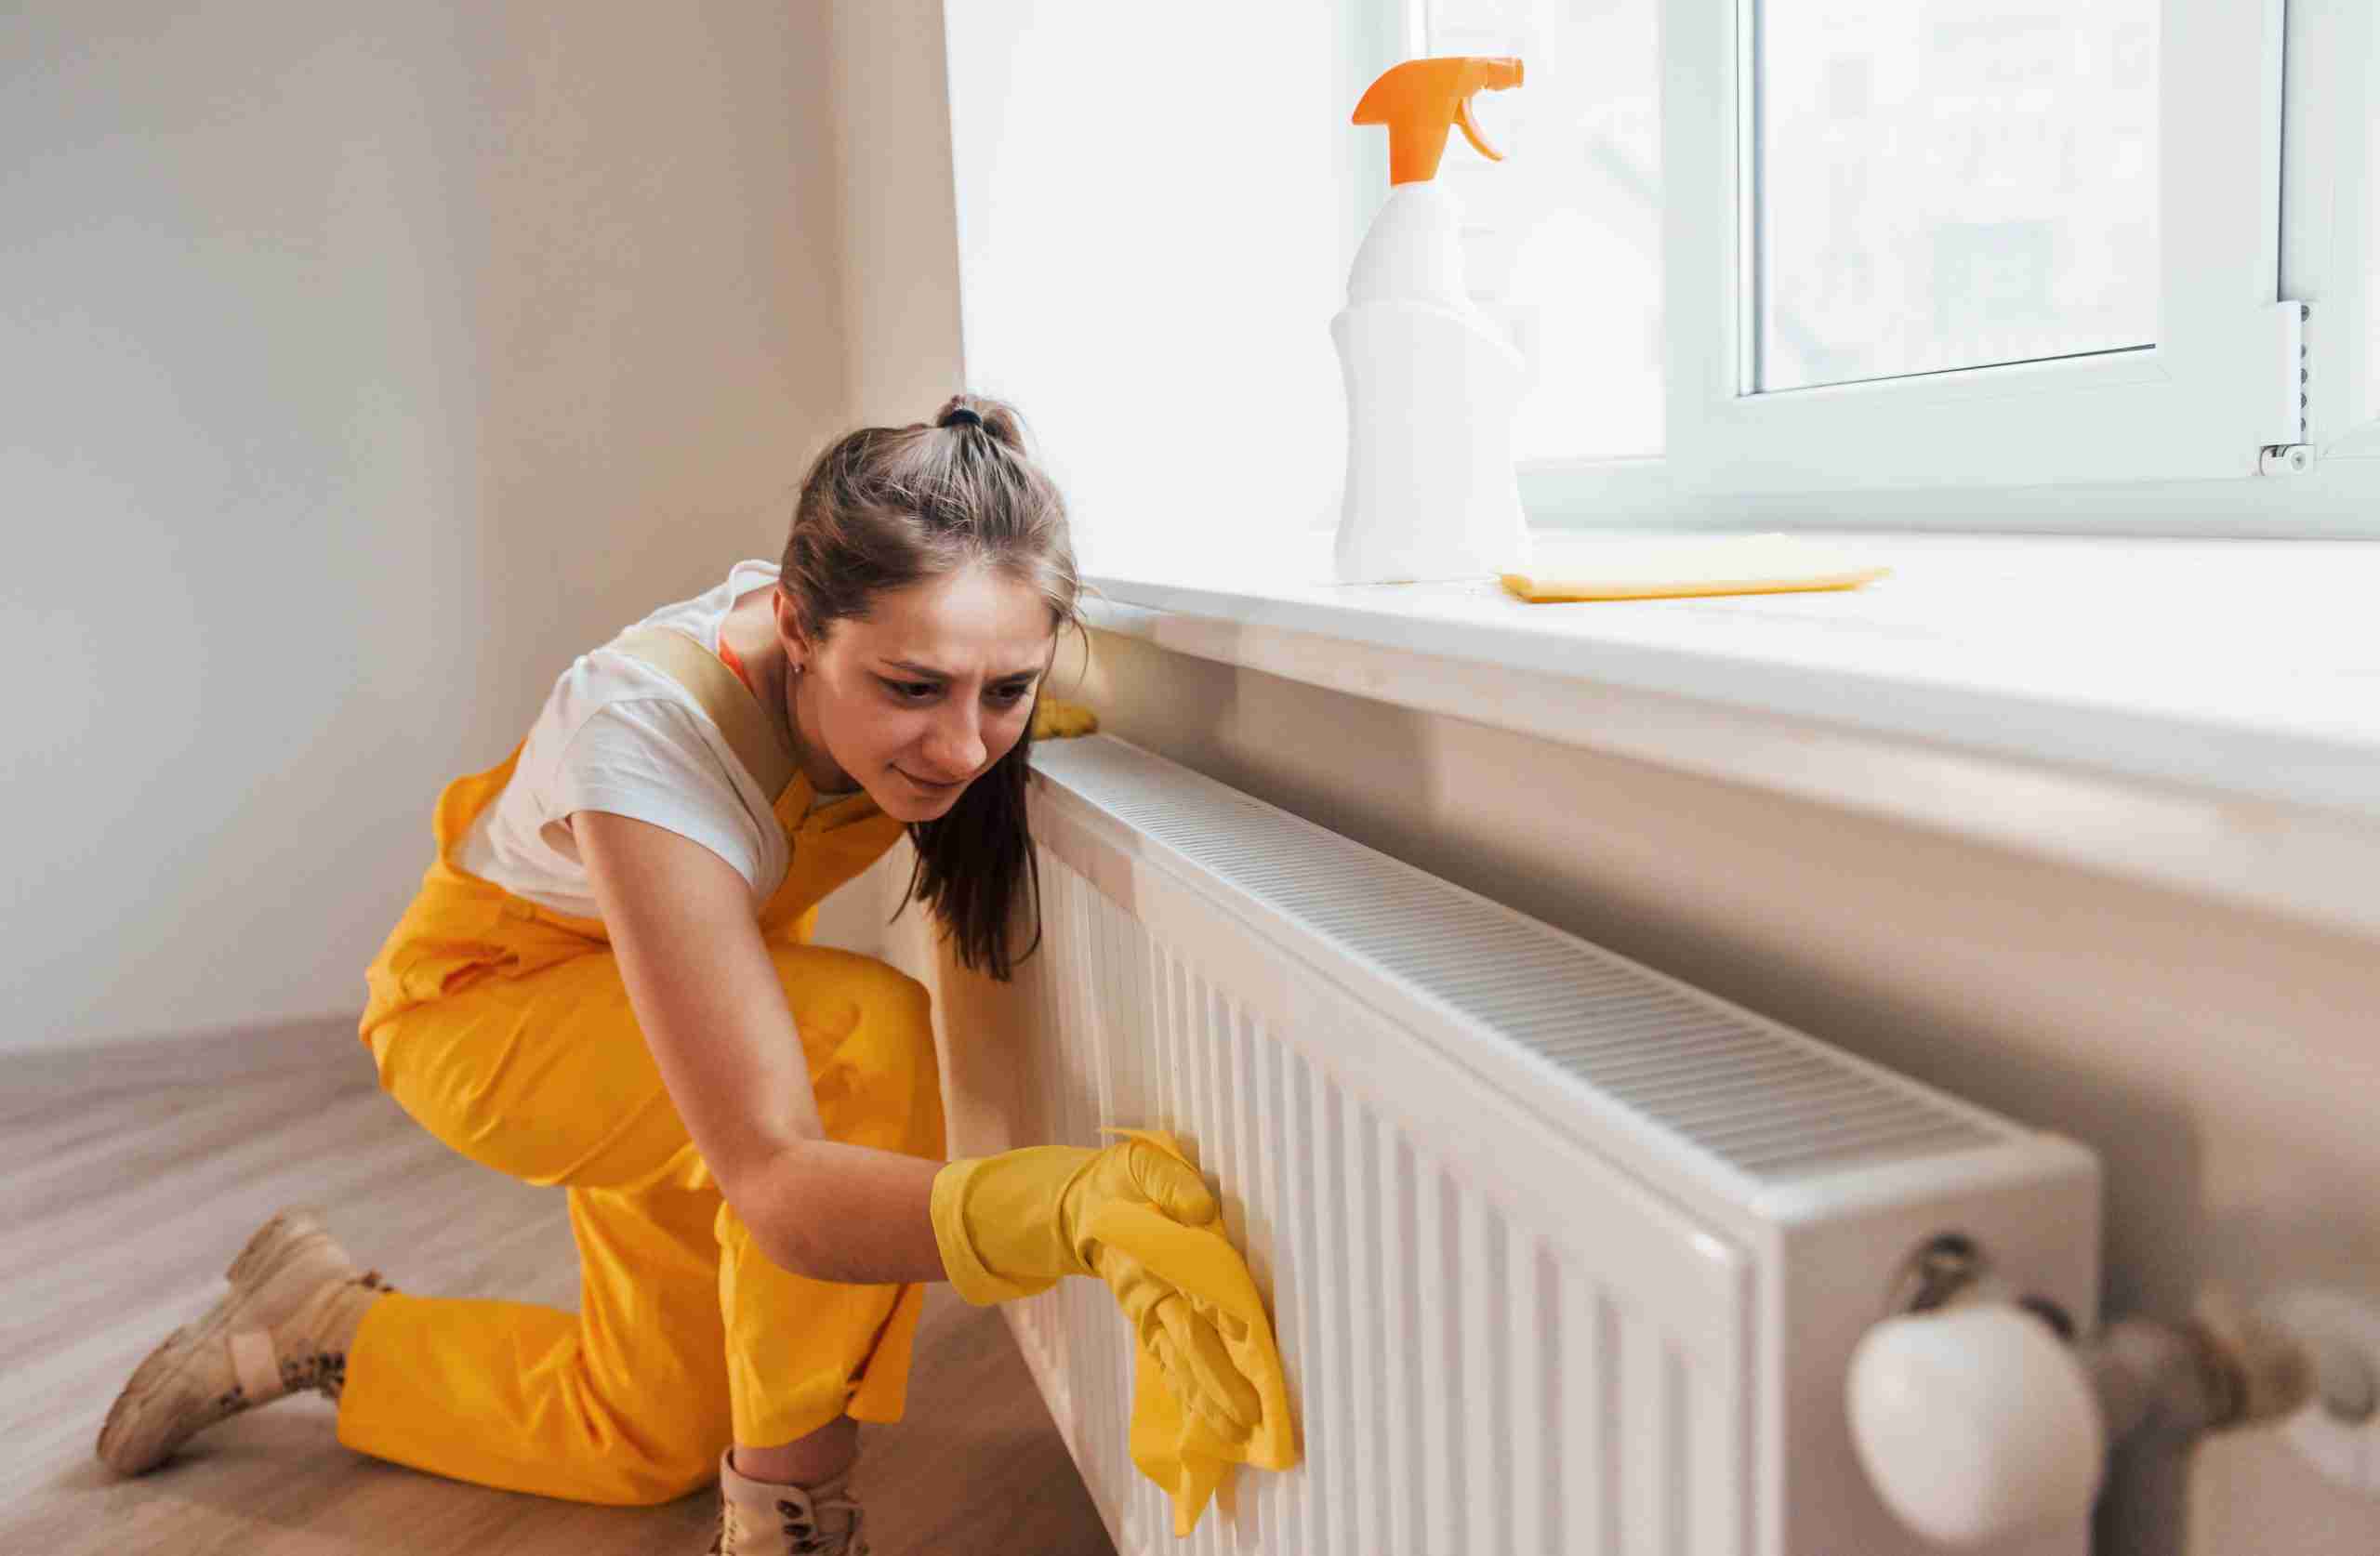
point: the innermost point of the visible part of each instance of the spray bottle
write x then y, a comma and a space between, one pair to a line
1432, 382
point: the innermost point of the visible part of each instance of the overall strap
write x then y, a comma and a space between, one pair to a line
723, 694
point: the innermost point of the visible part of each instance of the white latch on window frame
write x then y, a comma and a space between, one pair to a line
2290, 454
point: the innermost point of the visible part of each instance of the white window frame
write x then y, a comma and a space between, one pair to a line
2220, 385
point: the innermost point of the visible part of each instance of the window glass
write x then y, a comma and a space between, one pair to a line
1944, 184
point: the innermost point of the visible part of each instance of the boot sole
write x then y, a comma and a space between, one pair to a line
139, 1433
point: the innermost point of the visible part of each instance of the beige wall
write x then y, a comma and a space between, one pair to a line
364, 362
898, 287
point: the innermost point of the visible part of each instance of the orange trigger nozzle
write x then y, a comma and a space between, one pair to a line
1420, 99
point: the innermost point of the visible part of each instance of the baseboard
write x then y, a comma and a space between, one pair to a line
325, 1043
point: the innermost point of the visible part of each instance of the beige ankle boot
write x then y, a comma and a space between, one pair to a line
295, 1305
757, 1518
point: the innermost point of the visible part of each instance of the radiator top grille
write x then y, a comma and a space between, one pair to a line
1766, 1101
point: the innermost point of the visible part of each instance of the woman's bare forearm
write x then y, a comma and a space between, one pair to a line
842, 1213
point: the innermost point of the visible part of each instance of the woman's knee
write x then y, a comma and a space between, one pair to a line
832, 983
473, 1070
868, 1030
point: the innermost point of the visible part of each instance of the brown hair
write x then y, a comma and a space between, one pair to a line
886, 508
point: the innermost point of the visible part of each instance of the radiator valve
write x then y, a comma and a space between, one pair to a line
1979, 1417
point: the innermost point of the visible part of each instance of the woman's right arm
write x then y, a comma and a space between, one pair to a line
706, 992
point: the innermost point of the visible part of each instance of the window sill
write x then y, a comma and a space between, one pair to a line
2203, 715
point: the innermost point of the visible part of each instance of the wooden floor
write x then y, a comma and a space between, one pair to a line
128, 1178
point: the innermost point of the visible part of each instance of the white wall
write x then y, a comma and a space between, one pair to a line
1156, 215
362, 364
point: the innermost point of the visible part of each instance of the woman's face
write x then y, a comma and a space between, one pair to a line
925, 694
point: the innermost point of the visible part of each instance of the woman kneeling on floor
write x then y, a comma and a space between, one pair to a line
605, 983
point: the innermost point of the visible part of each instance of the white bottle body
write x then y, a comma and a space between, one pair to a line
1432, 389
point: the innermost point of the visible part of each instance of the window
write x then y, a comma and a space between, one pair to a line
1889, 244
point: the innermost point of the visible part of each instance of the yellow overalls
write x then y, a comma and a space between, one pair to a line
504, 1028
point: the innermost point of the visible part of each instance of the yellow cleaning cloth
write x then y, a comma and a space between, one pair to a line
1188, 1451
1055, 720
1672, 567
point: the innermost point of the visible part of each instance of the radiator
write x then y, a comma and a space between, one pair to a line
1563, 1255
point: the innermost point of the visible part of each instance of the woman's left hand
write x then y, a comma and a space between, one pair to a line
1055, 720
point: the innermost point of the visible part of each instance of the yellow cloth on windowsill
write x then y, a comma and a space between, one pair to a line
1184, 1450
1676, 566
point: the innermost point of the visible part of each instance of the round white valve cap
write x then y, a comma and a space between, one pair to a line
1975, 1424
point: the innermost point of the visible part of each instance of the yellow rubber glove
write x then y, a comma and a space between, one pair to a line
1055, 720
1009, 1225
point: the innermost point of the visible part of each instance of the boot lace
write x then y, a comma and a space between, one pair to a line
324, 1371
802, 1535
804, 1538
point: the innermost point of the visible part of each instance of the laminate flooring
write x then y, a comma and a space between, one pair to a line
129, 1176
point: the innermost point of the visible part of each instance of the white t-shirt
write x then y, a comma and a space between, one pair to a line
617, 734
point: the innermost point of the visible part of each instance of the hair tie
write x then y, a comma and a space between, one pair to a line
962, 417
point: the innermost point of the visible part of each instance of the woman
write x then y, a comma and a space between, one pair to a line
604, 983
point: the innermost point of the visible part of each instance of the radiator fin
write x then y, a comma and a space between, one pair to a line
1759, 1098
1440, 1416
